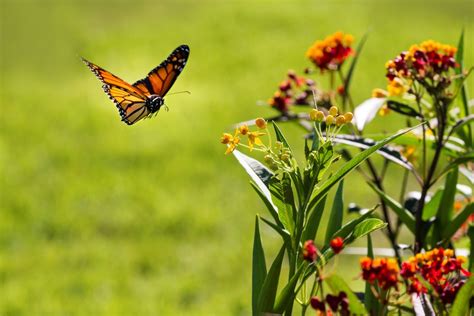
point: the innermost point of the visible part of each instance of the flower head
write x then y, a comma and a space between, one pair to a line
254, 139
383, 270
230, 141
330, 53
309, 251
337, 244
261, 123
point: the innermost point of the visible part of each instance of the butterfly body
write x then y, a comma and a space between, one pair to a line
146, 96
154, 103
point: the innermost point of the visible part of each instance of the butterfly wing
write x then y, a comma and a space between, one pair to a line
160, 79
130, 100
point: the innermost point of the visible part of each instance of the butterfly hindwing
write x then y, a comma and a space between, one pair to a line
161, 78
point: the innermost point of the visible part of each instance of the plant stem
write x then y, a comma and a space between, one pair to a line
441, 109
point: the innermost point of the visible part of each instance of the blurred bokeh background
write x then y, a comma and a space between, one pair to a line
100, 218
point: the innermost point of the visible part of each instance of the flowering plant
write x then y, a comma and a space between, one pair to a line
424, 83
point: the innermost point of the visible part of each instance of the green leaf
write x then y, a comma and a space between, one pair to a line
387, 152
282, 232
370, 302
457, 221
257, 171
288, 294
367, 226
259, 268
285, 213
470, 233
350, 73
314, 218
335, 219
348, 228
280, 137
351, 165
268, 293
268, 203
445, 209
461, 302
337, 284
402, 108
405, 216
463, 95
432, 206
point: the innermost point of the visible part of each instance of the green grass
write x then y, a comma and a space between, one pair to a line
99, 218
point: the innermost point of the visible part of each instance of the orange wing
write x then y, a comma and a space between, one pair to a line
160, 79
130, 100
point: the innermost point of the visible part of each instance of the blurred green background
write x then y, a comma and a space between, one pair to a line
100, 218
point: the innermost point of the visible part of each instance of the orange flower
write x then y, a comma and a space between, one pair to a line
330, 53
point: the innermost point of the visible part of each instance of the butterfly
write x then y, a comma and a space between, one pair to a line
146, 96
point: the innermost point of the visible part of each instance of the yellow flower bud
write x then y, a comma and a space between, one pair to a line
333, 110
244, 129
320, 116
340, 120
312, 114
348, 116
261, 123
329, 120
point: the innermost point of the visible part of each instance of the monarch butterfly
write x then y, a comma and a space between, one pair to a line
146, 96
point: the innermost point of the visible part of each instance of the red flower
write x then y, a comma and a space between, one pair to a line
317, 304
309, 251
330, 53
337, 244
384, 271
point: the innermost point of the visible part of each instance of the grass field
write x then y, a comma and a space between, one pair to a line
99, 218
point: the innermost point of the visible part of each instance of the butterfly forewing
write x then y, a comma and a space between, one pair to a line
160, 79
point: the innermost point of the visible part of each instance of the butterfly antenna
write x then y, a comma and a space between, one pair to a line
185, 91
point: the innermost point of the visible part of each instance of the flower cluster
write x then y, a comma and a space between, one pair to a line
330, 53
429, 60
309, 251
440, 269
232, 141
295, 90
383, 270
338, 304
337, 244
333, 118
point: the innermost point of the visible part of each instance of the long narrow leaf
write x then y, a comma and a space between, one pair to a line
387, 152
351, 165
280, 137
445, 208
457, 221
260, 174
350, 73
348, 228
370, 302
272, 209
366, 111
287, 295
337, 285
268, 293
461, 302
335, 219
461, 84
405, 216
259, 268
315, 215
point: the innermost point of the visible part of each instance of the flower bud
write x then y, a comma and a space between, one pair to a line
244, 129
312, 114
329, 120
348, 116
261, 123
333, 110
340, 120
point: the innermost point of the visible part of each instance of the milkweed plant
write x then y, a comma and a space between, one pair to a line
434, 153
